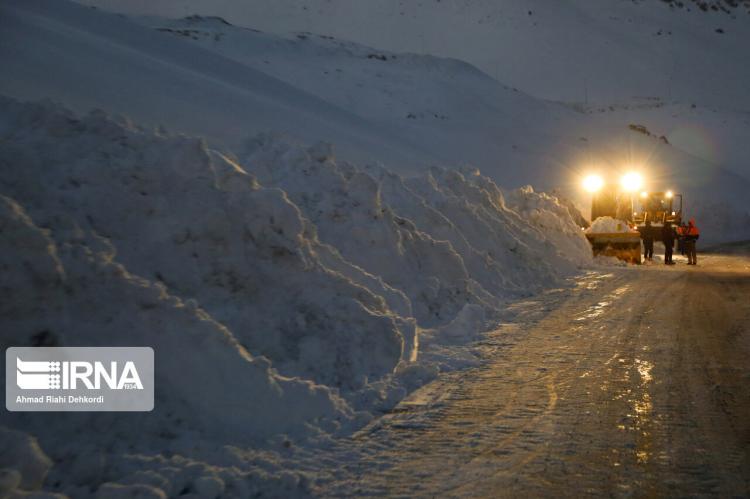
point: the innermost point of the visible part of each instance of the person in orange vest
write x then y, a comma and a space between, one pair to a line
691, 235
681, 238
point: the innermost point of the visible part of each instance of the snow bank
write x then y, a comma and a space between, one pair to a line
346, 206
303, 279
208, 385
445, 239
608, 225
468, 321
55, 285
199, 224
555, 220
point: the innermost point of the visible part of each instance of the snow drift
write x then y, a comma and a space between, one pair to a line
289, 285
70, 292
190, 219
445, 238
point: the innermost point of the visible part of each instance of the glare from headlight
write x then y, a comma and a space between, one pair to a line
593, 183
631, 181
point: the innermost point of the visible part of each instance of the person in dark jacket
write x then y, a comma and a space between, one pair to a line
667, 237
691, 235
647, 235
681, 238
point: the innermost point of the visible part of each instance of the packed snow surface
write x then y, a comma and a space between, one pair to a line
609, 225
283, 290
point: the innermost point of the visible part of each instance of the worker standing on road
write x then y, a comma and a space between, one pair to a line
647, 234
691, 235
681, 238
667, 237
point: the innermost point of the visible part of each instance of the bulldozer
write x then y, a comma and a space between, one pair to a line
624, 243
617, 202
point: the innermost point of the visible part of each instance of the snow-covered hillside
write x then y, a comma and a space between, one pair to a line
446, 107
571, 50
292, 287
465, 116
104, 60
410, 112
441, 112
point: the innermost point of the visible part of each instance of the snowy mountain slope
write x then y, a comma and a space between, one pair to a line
451, 112
97, 58
156, 78
714, 135
621, 48
239, 82
600, 53
448, 107
466, 116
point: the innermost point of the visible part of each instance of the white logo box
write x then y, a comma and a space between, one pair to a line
79, 379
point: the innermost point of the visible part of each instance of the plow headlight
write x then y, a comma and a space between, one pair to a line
631, 181
644, 194
669, 194
593, 183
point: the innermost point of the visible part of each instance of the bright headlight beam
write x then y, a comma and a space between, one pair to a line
631, 181
593, 183
669, 194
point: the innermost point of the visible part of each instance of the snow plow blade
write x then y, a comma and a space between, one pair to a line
624, 246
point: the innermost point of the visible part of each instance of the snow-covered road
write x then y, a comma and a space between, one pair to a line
636, 382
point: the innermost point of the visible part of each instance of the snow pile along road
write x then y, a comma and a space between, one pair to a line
68, 291
444, 239
553, 218
283, 290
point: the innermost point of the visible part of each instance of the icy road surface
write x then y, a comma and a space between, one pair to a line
637, 382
